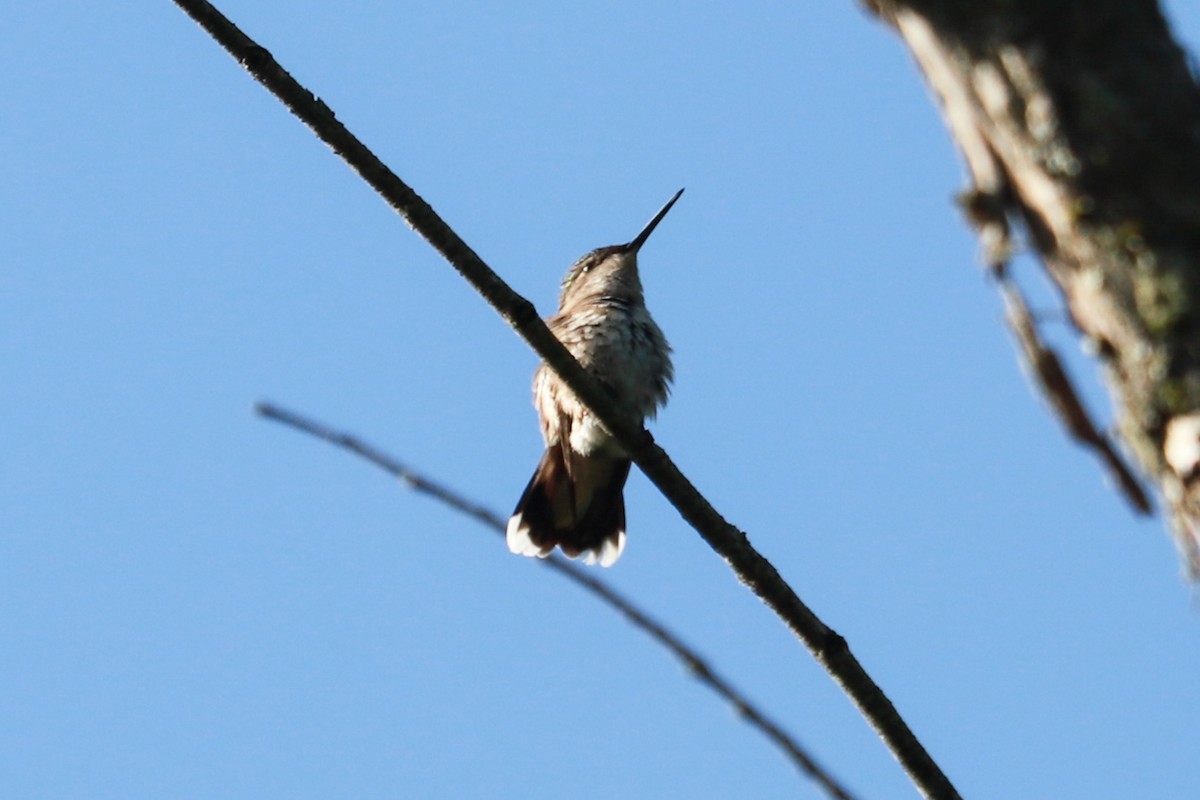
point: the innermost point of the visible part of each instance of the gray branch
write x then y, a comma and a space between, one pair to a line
751, 568
695, 664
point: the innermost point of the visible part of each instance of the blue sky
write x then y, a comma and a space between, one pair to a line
195, 603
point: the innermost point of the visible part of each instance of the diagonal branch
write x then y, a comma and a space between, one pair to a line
751, 568
692, 660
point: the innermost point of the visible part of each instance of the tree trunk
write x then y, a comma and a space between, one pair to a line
1079, 121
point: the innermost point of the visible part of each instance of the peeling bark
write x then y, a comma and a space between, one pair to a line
1079, 121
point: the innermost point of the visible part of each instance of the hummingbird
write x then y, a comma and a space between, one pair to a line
574, 500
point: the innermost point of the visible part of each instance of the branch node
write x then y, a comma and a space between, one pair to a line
832, 645
522, 313
256, 57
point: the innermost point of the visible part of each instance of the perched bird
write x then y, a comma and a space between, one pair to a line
574, 500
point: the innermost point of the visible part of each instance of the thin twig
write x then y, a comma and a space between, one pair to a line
1048, 374
751, 568
692, 660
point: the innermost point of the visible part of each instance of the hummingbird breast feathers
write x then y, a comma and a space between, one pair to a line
623, 348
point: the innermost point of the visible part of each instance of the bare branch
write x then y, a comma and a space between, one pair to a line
692, 660
751, 568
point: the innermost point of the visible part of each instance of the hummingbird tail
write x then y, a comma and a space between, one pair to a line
577, 506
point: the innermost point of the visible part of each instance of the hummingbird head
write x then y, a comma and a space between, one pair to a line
610, 271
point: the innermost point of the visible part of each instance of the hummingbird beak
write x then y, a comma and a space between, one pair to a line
641, 238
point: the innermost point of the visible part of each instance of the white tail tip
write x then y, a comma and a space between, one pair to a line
516, 535
519, 541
